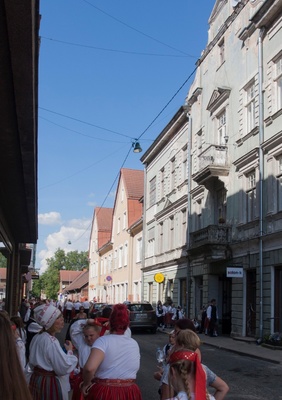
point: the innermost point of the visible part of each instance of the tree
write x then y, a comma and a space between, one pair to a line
3, 261
49, 280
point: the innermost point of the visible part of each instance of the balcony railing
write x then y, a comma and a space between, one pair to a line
215, 155
212, 234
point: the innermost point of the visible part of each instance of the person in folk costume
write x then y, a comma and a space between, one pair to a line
13, 385
112, 366
83, 334
187, 376
160, 312
49, 363
212, 316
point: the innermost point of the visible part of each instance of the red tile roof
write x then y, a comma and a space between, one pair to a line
104, 218
68, 275
134, 182
79, 282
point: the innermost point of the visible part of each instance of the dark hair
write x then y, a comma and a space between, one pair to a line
13, 385
119, 319
185, 323
106, 312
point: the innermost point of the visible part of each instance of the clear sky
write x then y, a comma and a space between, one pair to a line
107, 69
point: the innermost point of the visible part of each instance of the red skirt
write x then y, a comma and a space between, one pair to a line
45, 385
117, 389
75, 385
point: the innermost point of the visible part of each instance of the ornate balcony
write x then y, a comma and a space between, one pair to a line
211, 241
212, 164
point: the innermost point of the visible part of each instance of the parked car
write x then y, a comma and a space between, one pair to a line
142, 316
97, 309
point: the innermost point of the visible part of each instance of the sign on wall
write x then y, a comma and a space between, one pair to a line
234, 272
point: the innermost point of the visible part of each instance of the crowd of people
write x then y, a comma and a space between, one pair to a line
168, 314
99, 359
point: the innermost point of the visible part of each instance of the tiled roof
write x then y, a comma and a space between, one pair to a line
68, 275
3, 273
79, 282
104, 218
134, 182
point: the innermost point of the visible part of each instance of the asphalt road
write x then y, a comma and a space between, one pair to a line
248, 378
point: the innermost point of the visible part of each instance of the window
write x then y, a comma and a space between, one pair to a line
152, 191
120, 254
278, 79
279, 184
139, 250
251, 196
124, 221
222, 128
172, 171
115, 259
161, 237
125, 255
151, 242
221, 48
184, 163
118, 225
250, 107
162, 178
171, 233
184, 226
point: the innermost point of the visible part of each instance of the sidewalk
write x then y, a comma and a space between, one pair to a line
243, 346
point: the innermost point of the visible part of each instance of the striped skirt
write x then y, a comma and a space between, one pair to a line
117, 389
45, 385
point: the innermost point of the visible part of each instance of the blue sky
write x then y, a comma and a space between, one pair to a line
106, 71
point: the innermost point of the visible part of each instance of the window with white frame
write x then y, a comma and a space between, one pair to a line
251, 196
151, 242
139, 250
162, 183
172, 174
105, 265
279, 184
172, 233
118, 225
184, 163
102, 266
125, 255
250, 106
124, 221
222, 128
122, 194
278, 80
152, 188
161, 237
120, 254
221, 51
184, 226
115, 259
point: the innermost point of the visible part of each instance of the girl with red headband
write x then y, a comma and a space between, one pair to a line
112, 366
187, 376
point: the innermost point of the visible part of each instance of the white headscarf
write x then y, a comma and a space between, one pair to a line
46, 314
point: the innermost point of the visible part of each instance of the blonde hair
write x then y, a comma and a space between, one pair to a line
188, 339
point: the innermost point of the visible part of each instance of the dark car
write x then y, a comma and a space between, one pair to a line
142, 316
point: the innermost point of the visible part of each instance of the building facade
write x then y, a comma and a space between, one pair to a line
165, 214
235, 107
115, 250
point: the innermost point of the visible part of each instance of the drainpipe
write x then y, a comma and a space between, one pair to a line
261, 173
188, 286
143, 236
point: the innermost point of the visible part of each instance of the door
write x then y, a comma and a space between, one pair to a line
251, 303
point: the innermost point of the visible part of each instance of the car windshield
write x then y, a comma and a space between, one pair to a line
140, 307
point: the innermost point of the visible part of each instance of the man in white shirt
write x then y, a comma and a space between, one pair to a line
86, 306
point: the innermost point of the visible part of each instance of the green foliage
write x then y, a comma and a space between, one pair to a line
49, 280
3, 261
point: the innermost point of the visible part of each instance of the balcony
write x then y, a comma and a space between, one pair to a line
212, 164
211, 241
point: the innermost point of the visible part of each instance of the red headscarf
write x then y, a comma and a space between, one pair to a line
200, 375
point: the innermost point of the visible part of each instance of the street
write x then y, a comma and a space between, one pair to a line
248, 378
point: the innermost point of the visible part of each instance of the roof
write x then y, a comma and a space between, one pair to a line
68, 275
133, 182
3, 273
79, 282
104, 217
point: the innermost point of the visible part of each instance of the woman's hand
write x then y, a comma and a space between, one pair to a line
68, 345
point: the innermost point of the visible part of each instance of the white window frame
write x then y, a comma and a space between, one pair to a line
250, 106
152, 190
251, 194
139, 250
221, 118
278, 80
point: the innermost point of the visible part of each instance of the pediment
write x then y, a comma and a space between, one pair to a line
218, 96
219, 4
167, 203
